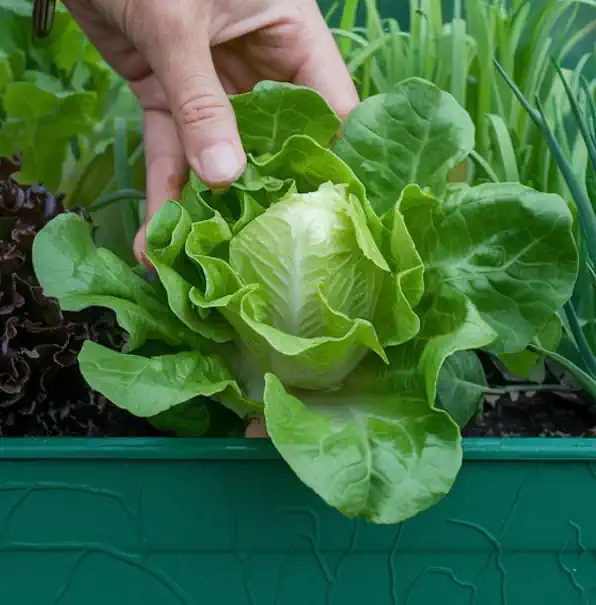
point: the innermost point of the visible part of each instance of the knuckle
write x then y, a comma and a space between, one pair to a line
202, 108
152, 21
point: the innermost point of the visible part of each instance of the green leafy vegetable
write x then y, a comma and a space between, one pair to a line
461, 386
340, 301
413, 134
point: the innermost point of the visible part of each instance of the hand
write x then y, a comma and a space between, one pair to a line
183, 57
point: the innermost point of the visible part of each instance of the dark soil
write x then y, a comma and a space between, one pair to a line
541, 414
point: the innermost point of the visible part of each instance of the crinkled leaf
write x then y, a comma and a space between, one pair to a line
309, 165
415, 133
167, 236
274, 111
504, 248
370, 451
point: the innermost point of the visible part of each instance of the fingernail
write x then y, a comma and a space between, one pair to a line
220, 164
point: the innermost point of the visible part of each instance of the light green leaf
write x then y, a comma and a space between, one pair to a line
149, 386
274, 111
461, 386
167, 235
305, 243
70, 268
67, 262
415, 133
380, 454
504, 248
308, 165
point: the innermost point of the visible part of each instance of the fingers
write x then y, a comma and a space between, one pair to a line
325, 70
167, 169
175, 42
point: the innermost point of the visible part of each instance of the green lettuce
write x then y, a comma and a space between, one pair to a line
339, 288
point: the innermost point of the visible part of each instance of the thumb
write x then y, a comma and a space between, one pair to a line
180, 57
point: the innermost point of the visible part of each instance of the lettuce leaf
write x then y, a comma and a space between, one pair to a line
338, 287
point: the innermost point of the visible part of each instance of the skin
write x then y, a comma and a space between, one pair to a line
182, 58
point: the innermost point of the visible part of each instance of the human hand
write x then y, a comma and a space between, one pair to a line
183, 57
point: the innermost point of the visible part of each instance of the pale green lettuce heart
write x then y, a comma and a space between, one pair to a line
304, 245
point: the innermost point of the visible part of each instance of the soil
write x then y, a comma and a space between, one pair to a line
541, 414
532, 413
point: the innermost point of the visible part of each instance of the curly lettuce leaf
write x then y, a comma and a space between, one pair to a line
167, 236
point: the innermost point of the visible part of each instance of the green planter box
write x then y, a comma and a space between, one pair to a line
195, 522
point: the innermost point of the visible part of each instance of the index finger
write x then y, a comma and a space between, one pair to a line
324, 69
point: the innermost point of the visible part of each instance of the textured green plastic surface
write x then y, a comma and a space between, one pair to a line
195, 522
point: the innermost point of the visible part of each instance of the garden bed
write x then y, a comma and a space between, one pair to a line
413, 300
188, 522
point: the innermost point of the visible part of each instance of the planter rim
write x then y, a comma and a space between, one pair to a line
164, 448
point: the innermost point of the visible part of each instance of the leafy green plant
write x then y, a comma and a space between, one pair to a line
457, 53
577, 351
72, 120
326, 288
